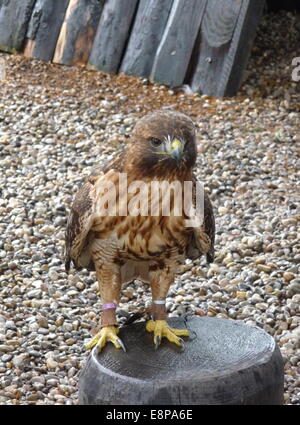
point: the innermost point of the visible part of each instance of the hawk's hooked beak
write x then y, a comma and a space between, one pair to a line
176, 150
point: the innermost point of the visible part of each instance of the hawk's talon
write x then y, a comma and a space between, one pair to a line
157, 341
162, 329
193, 335
181, 341
120, 342
107, 333
182, 346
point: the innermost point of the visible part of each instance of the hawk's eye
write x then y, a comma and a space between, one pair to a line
155, 142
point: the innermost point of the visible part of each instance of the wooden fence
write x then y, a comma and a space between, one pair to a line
203, 43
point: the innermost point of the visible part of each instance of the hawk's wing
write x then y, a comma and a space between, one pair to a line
209, 226
200, 243
80, 219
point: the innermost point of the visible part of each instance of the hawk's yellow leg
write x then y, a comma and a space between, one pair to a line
162, 329
107, 333
109, 280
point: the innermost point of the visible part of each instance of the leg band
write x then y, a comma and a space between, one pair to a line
109, 306
159, 302
108, 318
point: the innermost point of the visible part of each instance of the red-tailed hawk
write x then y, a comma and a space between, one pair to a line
117, 228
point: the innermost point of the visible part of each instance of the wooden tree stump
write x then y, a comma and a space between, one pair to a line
224, 362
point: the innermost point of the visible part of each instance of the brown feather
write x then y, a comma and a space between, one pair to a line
203, 238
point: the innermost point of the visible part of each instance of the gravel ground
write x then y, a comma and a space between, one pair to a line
58, 122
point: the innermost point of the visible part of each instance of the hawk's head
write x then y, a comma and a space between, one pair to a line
163, 143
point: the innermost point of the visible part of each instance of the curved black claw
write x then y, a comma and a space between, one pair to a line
182, 346
192, 335
120, 342
98, 349
157, 341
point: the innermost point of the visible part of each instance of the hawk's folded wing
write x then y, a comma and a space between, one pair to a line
203, 238
79, 224
81, 217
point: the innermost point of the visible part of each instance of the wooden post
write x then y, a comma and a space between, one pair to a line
14, 18
175, 49
112, 35
148, 28
77, 32
224, 362
44, 28
239, 52
223, 46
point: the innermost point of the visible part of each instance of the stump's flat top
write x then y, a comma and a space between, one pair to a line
216, 346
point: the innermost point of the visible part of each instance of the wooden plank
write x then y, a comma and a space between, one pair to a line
112, 34
77, 32
14, 18
217, 29
227, 32
239, 52
149, 25
44, 28
175, 49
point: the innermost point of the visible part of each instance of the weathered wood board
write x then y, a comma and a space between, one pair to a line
176, 46
250, 15
148, 28
204, 43
44, 28
77, 32
14, 18
223, 46
112, 34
